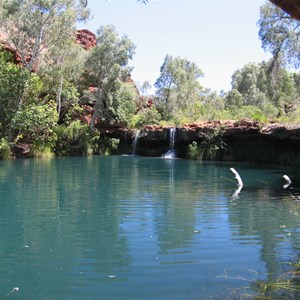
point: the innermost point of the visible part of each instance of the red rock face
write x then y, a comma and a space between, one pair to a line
86, 38
292, 7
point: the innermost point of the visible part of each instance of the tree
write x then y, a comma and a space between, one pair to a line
35, 124
12, 84
234, 99
291, 7
125, 102
106, 67
280, 34
85, 2
253, 85
35, 27
61, 71
178, 87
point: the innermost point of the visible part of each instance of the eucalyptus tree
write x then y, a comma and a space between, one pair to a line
106, 68
85, 2
61, 73
178, 87
250, 82
252, 85
280, 34
42, 32
34, 27
12, 84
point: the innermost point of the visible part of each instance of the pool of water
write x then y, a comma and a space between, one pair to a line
126, 227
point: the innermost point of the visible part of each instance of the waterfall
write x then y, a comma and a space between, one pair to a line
135, 141
171, 152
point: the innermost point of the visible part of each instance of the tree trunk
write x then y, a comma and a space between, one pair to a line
58, 97
97, 108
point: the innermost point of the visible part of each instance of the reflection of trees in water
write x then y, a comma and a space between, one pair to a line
71, 205
97, 213
182, 197
77, 214
268, 216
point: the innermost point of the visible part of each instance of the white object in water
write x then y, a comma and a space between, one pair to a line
288, 181
237, 177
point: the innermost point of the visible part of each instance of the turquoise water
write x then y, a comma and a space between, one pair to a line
126, 227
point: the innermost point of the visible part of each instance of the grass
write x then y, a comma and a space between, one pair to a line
5, 152
40, 151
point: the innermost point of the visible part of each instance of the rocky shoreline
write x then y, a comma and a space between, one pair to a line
240, 141
244, 140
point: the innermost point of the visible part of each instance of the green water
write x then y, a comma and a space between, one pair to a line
126, 227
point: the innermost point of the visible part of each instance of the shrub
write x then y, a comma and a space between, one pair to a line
35, 124
5, 152
194, 151
209, 148
12, 84
251, 112
108, 146
125, 102
40, 151
74, 139
145, 117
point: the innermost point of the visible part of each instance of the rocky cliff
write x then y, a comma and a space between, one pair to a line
83, 37
244, 140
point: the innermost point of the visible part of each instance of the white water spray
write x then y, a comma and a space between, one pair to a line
171, 152
135, 141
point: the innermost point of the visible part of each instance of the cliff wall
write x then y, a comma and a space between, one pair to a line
244, 140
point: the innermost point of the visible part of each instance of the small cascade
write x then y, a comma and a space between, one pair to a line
135, 141
171, 152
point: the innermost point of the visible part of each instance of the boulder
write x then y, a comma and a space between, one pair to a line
86, 39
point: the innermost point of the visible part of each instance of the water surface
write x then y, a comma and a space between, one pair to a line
126, 227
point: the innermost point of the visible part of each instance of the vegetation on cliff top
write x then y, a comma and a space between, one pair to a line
60, 93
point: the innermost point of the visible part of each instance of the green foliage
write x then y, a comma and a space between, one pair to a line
5, 152
35, 25
194, 151
78, 139
34, 90
106, 67
210, 148
212, 107
35, 124
255, 85
251, 112
68, 95
145, 117
75, 139
108, 146
12, 84
29, 100
249, 86
61, 73
178, 88
38, 150
71, 113
279, 34
125, 99
234, 99
291, 118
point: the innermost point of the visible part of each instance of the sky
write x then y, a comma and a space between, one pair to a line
220, 36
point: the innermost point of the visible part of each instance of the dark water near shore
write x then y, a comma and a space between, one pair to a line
126, 227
